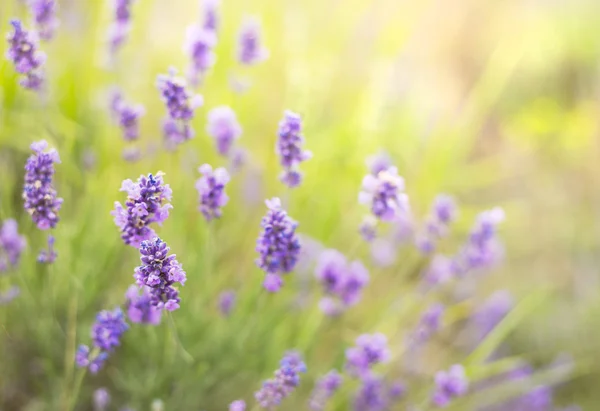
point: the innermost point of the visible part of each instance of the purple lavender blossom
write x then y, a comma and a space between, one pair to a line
325, 388
342, 281
277, 245
289, 148
449, 385
491, 312
383, 193
224, 128
120, 27
439, 271
286, 379
131, 154
147, 202
27, 58
44, 15
127, 116
238, 405
370, 349
238, 159
429, 324
199, 45
378, 162
371, 396
139, 306
101, 399
226, 302
82, 356
160, 271
368, 228
180, 104
9, 295
39, 194
211, 191
11, 244
210, 20
48, 256
443, 212
250, 50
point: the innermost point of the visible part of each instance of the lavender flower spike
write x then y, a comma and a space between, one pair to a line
226, 302
160, 271
39, 194
139, 306
180, 104
277, 245
126, 115
250, 49
211, 191
27, 58
210, 20
48, 256
449, 385
238, 405
370, 349
326, 386
44, 14
199, 44
383, 193
11, 245
119, 29
443, 212
101, 399
289, 148
286, 379
224, 128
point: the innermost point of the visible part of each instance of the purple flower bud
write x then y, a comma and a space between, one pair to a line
48, 256
371, 396
429, 324
443, 212
238, 405
44, 15
289, 148
211, 191
119, 29
147, 202
368, 228
378, 162
140, 309
226, 302
383, 193
199, 44
211, 16
108, 329
127, 115
82, 356
11, 244
238, 159
224, 128
277, 245
27, 58
250, 49
39, 194
286, 379
440, 270
449, 385
101, 399
324, 389
370, 349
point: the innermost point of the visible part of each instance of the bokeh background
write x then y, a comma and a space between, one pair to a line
493, 102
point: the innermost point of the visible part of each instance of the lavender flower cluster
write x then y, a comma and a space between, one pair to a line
121, 25
211, 191
44, 15
26, 56
126, 115
289, 149
12, 245
286, 379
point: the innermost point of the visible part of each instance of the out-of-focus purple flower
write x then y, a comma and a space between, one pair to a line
378, 162
226, 302
439, 271
482, 250
160, 271
119, 29
127, 115
101, 399
277, 245
370, 349
238, 159
371, 396
383, 194
210, 20
250, 48
9, 295
397, 391
286, 379
28, 60
324, 389
449, 385
48, 256
11, 244
342, 281
180, 104
238, 405
443, 212
131, 154
211, 191
140, 309
44, 15
147, 202
384, 252
429, 324
289, 148
491, 312
82, 356
224, 128
368, 228
39, 194
199, 44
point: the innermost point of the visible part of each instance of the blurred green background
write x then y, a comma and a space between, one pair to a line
493, 102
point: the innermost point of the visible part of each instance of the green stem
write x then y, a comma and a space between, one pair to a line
187, 357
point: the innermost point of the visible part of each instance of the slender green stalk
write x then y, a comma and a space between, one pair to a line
187, 357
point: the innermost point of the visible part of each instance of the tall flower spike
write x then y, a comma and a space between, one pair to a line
126, 115
48, 256
199, 45
383, 194
370, 349
11, 245
211, 191
289, 148
250, 49
39, 194
277, 245
286, 379
324, 389
210, 19
160, 271
44, 15
224, 128
28, 60
181, 105
443, 212
147, 202
429, 324
449, 385
106, 336
119, 29
139, 306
